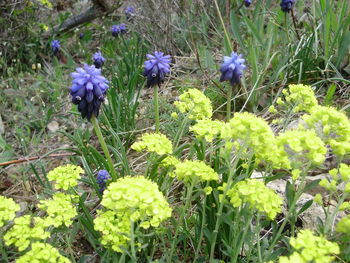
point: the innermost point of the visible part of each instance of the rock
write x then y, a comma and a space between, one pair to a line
53, 126
2, 127
311, 215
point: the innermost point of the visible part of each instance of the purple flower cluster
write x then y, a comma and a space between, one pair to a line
88, 90
247, 3
55, 46
118, 29
98, 59
129, 11
287, 5
102, 178
156, 67
232, 68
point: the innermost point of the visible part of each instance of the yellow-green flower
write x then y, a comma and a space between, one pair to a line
8, 209
343, 225
115, 229
46, 3
298, 147
65, 176
332, 126
207, 129
42, 253
254, 134
138, 197
313, 248
196, 104
188, 171
169, 161
300, 97
130, 199
25, 230
257, 195
59, 209
154, 142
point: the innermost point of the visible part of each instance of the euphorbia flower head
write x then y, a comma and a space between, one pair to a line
55, 46
98, 59
232, 68
287, 5
88, 90
156, 67
118, 29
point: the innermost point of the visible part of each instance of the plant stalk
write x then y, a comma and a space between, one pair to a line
156, 106
104, 147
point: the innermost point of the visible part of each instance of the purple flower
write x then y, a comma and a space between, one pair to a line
88, 90
232, 68
118, 29
55, 46
286, 5
98, 59
129, 11
81, 35
247, 3
102, 178
156, 67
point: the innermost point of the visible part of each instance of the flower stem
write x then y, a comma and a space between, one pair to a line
104, 147
156, 107
228, 105
2, 249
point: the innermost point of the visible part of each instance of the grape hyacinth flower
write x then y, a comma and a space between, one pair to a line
287, 5
81, 35
247, 3
88, 90
232, 68
102, 178
129, 11
55, 46
156, 67
99, 60
118, 29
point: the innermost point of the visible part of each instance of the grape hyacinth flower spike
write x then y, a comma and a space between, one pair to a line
88, 90
155, 69
232, 70
129, 12
81, 35
102, 178
118, 29
99, 60
55, 46
247, 3
287, 5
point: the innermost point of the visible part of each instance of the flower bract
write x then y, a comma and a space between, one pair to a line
154, 142
65, 176
8, 209
42, 253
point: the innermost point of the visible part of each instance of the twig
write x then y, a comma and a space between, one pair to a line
35, 158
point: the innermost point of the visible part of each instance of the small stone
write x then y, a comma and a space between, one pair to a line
53, 126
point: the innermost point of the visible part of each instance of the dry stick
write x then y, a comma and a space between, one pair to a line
35, 158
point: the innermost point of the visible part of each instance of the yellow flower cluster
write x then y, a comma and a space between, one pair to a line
46, 3
8, 209
59, 209
207, 129
297, 147
25, 230
154, 142
301, 97
332, 126
42, 253
311, 248
338, 177
65, 176
115, 229
169, 161
254, 133
188, 171
257, 195
196, 104
130, 199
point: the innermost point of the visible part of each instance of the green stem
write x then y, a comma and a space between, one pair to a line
156, 107
2, 248
183, 212
180, 132
132, 242
98, 132
258, 238
228, 105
